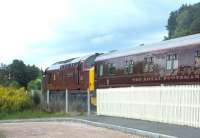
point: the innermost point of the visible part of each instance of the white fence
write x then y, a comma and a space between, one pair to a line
169, 104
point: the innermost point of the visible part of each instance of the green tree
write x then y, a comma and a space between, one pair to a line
22, 73
34, 85
18, 72
172, 24
4, 74
32, 72
184, 21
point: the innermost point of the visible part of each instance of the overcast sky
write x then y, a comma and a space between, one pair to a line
42, 32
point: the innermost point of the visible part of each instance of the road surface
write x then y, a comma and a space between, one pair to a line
59, 130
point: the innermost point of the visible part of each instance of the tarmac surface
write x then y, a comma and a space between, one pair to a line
104, 125
59, 130
154, 127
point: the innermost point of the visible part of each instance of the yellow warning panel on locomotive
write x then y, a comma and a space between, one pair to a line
91, 79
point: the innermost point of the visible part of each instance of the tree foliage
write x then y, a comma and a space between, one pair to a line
18, 74
184, 21
4, 73
34, 85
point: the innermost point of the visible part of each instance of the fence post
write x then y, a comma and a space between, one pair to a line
66, 101
88, 102
47, 97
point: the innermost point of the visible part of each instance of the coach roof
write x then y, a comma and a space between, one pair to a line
173, 43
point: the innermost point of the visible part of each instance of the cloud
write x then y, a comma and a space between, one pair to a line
26, 22
102, 39
41, 31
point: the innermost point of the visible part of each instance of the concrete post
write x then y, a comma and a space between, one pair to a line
47, 97
66, 101
88, 102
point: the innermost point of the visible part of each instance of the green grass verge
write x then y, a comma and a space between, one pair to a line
31, 114
2, 135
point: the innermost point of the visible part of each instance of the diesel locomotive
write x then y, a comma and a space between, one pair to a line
71, 74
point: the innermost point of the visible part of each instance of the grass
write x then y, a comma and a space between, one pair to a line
31, 114
2, 135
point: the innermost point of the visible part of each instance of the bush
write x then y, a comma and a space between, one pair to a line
36, 98
13, 99
34, 85
14, 84
10, 83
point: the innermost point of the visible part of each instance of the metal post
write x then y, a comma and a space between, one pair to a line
88, 102
66, 101
48, 97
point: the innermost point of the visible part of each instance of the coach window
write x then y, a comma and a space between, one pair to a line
126, 69
130, 70
175, 62
101, 70
151, 65
112, 68
197, 58
145, 65
172, 62
148, 64
129, 67
169, 62
151, 60
145, 60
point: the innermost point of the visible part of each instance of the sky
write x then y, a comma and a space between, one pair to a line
42, 32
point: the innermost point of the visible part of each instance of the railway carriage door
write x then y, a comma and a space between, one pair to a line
78, 72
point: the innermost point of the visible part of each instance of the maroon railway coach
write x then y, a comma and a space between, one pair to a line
71, 74
170, 62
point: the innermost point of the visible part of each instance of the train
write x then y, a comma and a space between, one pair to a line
71, 74
170, 62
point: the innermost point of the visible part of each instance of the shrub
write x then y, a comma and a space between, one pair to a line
34, 85
13, 99
36, 98
14, 84
10, 83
